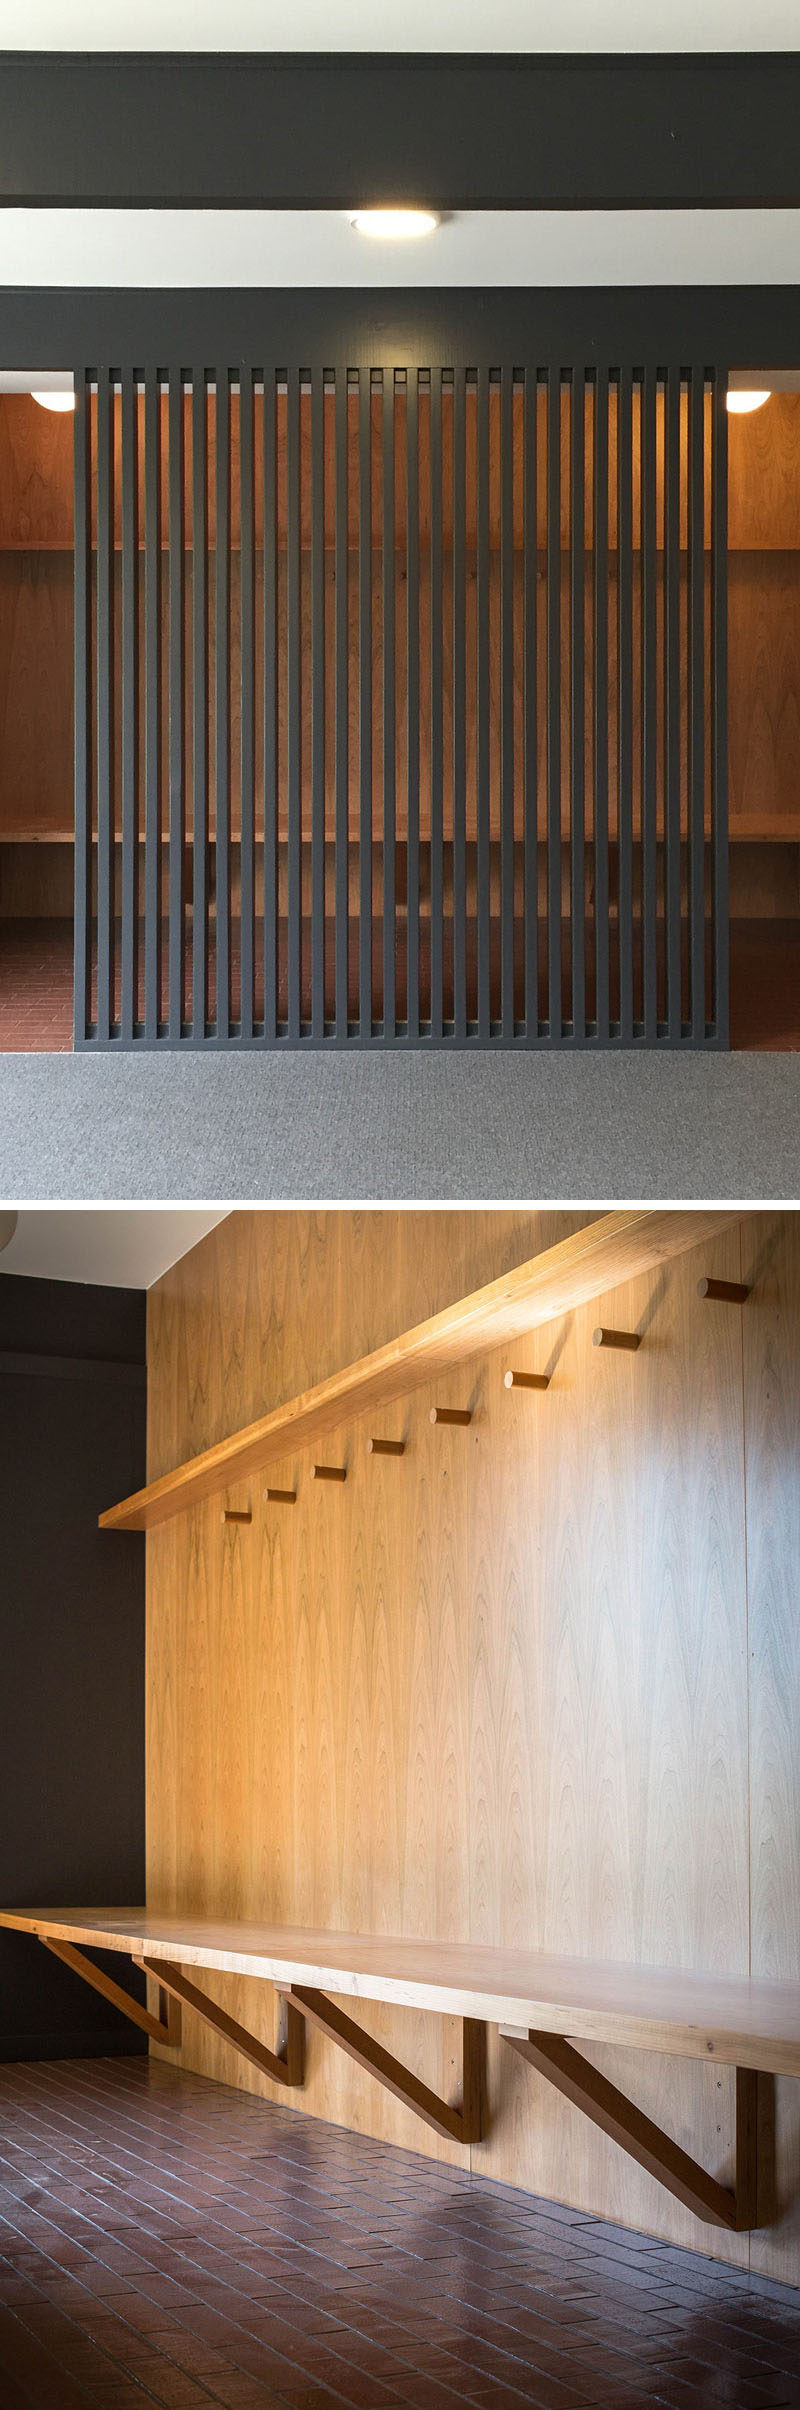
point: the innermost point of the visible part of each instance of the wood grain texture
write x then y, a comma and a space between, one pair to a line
36, 518
36, 501
160, 2027
764, 477
313, 1695
284, 2065
588, 2090
771, 1335
589, 1263
764, 694
498, 1690
36, 494
609, 1701
683, 2013
36, 702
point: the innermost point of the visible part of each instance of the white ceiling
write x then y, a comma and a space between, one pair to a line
403, 25
299, 247
124, 1247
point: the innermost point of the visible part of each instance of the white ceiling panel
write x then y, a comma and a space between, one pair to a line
291, 248
122, 1247
403, 25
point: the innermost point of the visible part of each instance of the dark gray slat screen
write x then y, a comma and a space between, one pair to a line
400, 706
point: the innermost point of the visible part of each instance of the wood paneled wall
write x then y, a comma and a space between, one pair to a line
36, 517
537, 1681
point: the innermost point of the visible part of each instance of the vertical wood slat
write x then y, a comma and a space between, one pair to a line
342, 648
531, 711
199, 706
388, 883
317, 707
177, 768
83, 711
412, 700
482, 697
600, 817
365, 703
129, 472
719, 794
105, 706
222, 701
437, 707
293, 706
152, 676
507, 704
625, 698
672, 698
697, 933
247, 700
554, 703
649, 711
459, 707
577, 701
270, 710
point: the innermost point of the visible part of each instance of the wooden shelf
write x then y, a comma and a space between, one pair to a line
686, 2012
615, 1248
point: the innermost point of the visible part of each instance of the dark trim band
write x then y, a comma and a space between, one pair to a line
71, 328
156, 130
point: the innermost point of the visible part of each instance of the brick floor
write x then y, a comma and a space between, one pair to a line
163, 2239
36, 983
35, 986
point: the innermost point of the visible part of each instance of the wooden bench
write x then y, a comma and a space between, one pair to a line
540, 2004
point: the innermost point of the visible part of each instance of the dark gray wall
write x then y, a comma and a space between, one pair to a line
72, 1439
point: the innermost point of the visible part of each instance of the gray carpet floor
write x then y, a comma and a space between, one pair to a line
393, 1127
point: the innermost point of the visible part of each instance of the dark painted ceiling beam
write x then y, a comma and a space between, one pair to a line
260, 131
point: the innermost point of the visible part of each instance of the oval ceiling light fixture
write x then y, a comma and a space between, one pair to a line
52, 399
394, 225
740, 400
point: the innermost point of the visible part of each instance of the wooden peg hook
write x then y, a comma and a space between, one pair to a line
451, 1414
727, 1292
329, 1472
526, 1380
386, 1447
603, 1338
281, 1497
237, 1514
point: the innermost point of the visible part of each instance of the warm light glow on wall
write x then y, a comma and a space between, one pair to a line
54, 400
741, 402
394, 225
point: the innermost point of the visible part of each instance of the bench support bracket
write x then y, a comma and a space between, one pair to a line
284, 2066
460, 2121
166, 2027
610, 2109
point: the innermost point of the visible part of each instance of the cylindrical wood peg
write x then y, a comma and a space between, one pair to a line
281, 1497
386, 1447
329, 1472
451, 1414
604, 1338
237, 1514
729, 1292
526, 1380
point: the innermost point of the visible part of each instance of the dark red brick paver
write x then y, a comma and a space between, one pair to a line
36, 982
168, 2240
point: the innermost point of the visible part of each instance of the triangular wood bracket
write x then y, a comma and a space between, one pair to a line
460, 2121
165, 2028
617, 2116
286, 2065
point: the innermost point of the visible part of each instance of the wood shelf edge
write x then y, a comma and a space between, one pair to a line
599, 1257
